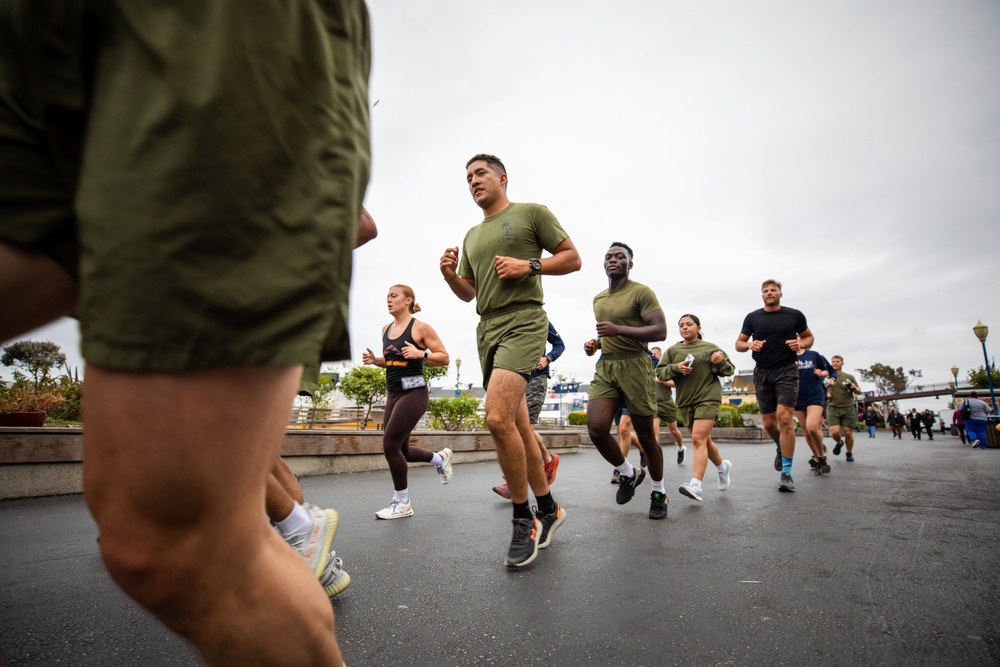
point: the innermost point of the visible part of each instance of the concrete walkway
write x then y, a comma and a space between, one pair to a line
892, 560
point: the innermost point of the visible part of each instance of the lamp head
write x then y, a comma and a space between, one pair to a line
981, 331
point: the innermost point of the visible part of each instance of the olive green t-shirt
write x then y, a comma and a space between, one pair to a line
521, 231
702, 384
841, 396
626, 306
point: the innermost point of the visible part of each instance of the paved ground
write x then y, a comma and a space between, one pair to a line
892, 560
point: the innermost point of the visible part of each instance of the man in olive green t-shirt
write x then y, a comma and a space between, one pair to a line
501, 268
628, 317
841, 413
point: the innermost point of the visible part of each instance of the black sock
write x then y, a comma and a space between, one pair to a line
522, 511
546, 505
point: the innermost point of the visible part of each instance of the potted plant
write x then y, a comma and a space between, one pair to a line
23, 405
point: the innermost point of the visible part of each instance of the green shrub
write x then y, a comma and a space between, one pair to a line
577, 418
729, 417
749, 408
455, 414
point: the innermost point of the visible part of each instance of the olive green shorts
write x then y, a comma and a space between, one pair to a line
709, 410
628, 377
198, 166
846, 417
513, 340
666, 410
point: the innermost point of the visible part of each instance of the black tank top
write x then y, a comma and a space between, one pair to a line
396, 365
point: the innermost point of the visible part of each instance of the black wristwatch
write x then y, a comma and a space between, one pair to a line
536, 266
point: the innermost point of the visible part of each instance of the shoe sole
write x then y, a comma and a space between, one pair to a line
552, 529
339, 585
501, 492
787, 488
396, 516
685, 492
534, 554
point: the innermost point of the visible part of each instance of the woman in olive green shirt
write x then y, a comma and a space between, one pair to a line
695, 365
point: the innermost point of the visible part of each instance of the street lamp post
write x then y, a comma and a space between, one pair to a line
559, 390
458, 376
954, 374
981, 331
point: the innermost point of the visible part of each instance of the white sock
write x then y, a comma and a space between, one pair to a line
626, 469
297, 522
437, 459
402, 496
658, 486
696, 483
681, 447
721, 467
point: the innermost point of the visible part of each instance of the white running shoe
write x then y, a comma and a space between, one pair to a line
445, 470
397, 509
691, 491
724, 475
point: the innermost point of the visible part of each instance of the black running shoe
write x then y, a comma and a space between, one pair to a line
657, 505
813, 462
824, 465
680, 455
524, 543
777, 461
837, 448
850, 457
786, 483
627, 486
642, 459
550, 523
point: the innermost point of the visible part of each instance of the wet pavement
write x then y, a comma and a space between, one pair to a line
891, 560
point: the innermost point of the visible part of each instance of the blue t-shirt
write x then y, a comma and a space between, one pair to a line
811, 389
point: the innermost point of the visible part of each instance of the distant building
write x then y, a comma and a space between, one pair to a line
739, 389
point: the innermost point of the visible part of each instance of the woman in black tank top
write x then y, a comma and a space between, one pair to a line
407, 344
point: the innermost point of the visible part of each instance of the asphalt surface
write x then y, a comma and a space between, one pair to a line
891, 560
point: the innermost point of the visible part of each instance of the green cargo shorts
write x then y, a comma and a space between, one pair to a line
707, 410
666, 409
628, 377
513, 339
198, 166
846, 417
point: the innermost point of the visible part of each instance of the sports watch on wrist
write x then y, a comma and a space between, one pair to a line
536, 266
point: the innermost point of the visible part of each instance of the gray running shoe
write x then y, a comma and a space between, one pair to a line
786, 483
524, 543
691, 491
627, 486
724, 478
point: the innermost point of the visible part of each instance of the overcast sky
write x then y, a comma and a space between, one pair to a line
849, 149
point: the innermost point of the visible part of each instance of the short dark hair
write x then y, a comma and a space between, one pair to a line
492, 161
631, 255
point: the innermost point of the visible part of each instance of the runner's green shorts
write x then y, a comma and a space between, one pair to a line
198, 166
842, 416
512, 339
628, 377
707, 410
666, 410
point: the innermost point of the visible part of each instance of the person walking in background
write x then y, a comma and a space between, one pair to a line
695, 366
916, 423
927, 418
959, 422
407, 344
896, 422
871, 420
538, 389
841, 413
666, 409
501, 268
778, 332
628, 316
976, 422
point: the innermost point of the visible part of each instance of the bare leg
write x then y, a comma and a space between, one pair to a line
546, 456
647, 436
507, 418
177, 494
34, 291
600, 413
701, 436
625, 434
780, 427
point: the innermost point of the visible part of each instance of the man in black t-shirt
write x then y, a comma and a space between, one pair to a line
778, 332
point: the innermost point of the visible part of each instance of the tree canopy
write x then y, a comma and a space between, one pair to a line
36, 357
888, 380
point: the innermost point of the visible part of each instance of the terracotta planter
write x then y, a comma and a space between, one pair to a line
23, 419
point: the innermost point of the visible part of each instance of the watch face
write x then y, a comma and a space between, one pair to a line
536, 265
